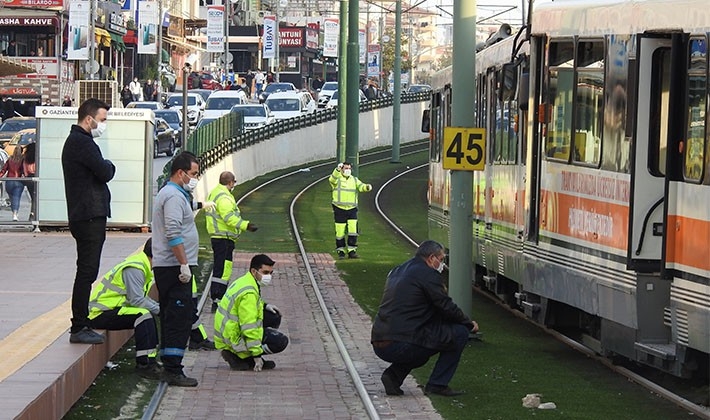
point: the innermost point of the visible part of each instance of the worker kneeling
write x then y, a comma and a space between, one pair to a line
121, 302
245, 327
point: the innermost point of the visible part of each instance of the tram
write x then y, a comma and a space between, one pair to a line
592, 214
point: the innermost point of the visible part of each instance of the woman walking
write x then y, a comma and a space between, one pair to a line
13, 169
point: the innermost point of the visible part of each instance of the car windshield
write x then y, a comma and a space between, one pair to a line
18, 125
419, 88
250, 111
284, 104
278, 87
335, 95
330, 86
222, 103
170, 117
145, 105
203, 122
176, 100
23, 139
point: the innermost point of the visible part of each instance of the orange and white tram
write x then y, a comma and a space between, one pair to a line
593, 211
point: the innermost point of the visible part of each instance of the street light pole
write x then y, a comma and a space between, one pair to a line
225, 64
185, 123
160, 51
92, 38
277, 39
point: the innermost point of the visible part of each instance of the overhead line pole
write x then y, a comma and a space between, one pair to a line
352, 123
342, 81
396, 100
464, 65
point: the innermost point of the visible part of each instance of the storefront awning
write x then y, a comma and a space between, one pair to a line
11, 67
102, 37
117, 41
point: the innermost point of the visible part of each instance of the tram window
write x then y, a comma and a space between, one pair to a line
559, 96
589, 120
696, 135
660, 108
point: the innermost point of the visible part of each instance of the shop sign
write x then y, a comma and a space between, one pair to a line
45, 68
116, 23
28, 21
24, 91
311, 39
44, 4
290, 37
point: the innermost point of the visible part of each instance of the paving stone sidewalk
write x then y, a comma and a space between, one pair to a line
310, 380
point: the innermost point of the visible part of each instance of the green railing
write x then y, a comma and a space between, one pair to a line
211, 135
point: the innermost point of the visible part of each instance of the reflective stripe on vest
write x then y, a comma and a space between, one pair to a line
226, 314
343, 196
111, 292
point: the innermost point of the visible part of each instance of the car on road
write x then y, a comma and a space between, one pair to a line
146, 105
255, 115
205, 93
326, 92
333, 102
163, 138
195, 106
21, 139
219, 103
203, 80
418, 88
174, 119
12, 125
276, 87
204, 121
291, 104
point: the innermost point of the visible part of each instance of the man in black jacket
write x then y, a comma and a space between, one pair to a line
416, 320
86, 174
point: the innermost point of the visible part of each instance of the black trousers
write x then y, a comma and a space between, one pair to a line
223, 250
176, 315
145, 334
89, 236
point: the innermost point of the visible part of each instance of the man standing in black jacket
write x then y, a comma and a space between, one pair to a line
416, 320
86, 174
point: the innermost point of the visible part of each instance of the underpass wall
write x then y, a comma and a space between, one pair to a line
309, 144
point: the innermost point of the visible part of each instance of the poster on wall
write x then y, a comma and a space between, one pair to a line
269, 38
331, 34
362, 44
79, 27
373, 60
215, 28
147, 36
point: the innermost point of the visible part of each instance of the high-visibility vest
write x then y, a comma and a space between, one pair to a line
225, 221
238, 323
345, 190
110, 293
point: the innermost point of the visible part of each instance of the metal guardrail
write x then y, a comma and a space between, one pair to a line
222, 137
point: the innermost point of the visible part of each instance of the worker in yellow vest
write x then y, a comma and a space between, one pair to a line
346, 188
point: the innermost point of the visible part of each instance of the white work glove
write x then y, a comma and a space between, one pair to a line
209, 206
340, 166
272, 308
368, 187
185, 273
258, 364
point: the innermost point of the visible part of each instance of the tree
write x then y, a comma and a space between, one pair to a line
444, 61
388, 54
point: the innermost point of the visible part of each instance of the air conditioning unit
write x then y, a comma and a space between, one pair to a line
105, 90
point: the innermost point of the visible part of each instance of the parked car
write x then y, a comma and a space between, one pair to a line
12, 125
195, 106
219, 103
203, 80
255, 115
333, 102
326, 92
205, 93
163, 138
418, 88
146, 105
20, 139
290, 104
174, 119
276, 87
204, 121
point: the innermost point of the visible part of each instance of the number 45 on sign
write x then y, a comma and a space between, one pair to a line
464, 148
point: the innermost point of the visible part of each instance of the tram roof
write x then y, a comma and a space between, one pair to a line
600, 17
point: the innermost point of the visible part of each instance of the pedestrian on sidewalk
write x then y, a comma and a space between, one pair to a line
13, 169
416, 320
175, 246
245, 327
346, 189
121, 302
86, 177
224, 224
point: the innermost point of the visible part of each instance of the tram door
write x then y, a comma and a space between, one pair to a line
653, 113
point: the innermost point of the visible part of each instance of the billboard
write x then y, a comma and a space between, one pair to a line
373, 60
270, 37
147, 36
79, 27
215, 28
331, 34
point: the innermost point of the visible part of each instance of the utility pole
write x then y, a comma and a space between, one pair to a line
160, 50
397, 99
353, 85
342, 80
277, 39
225, 61
464, 65
92, 38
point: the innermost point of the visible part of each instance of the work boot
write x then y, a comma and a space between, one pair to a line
178, 379
341, 255
234, 361
205, 344
86, 336
149, 371
353, 255
392, 387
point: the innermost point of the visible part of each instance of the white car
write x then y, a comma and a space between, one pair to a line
326, 92
291, 104
195, 106
333, 102
221, 101
255, 115
145, 105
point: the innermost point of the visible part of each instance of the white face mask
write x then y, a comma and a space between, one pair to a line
99, 130
441, 266
191, 184
347, 172
265, 279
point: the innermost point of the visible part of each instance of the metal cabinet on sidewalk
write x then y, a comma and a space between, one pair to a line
127, 142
